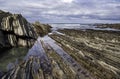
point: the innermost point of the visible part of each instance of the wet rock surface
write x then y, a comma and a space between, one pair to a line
45, 61
114, 26
70, 54
95, 50
67, 54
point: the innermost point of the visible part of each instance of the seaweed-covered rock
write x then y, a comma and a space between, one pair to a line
41, 29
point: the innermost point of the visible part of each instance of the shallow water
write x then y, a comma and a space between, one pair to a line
37, 50
11, 56
72, 63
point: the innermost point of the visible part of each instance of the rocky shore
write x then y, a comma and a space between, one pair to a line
114, 26
41, 29
96, 50
61, 54
71, 54
16, 31
46, 60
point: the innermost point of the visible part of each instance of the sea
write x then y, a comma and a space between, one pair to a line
78, 26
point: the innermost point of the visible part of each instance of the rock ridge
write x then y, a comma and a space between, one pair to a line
15, 30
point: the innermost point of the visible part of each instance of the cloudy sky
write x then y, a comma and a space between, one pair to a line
65, 11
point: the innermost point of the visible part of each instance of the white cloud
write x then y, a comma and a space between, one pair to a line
65, 10
67, 1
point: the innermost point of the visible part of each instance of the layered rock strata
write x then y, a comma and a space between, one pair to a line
97, 51
15, 30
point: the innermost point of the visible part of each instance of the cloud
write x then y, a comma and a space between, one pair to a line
67, 1
65, 10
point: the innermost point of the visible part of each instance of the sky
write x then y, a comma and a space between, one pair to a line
65, 11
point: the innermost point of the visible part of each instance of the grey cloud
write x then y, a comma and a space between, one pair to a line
58, 11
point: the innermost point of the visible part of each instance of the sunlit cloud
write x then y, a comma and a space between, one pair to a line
67, 1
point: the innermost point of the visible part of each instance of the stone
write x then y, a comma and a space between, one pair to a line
42, 29
15, 30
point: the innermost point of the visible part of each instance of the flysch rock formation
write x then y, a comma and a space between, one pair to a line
15, 30
98, 51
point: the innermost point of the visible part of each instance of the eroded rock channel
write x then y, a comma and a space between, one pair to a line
47, 60
96, 50
61, 54
87, 55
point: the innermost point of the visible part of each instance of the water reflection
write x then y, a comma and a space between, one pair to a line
11, 56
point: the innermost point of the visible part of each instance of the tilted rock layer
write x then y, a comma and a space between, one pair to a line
15, 30
98, 51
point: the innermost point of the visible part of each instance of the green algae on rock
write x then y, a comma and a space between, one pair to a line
42, 29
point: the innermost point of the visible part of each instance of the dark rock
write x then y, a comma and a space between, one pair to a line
1, 74
15, 30
114, 26
42, 29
